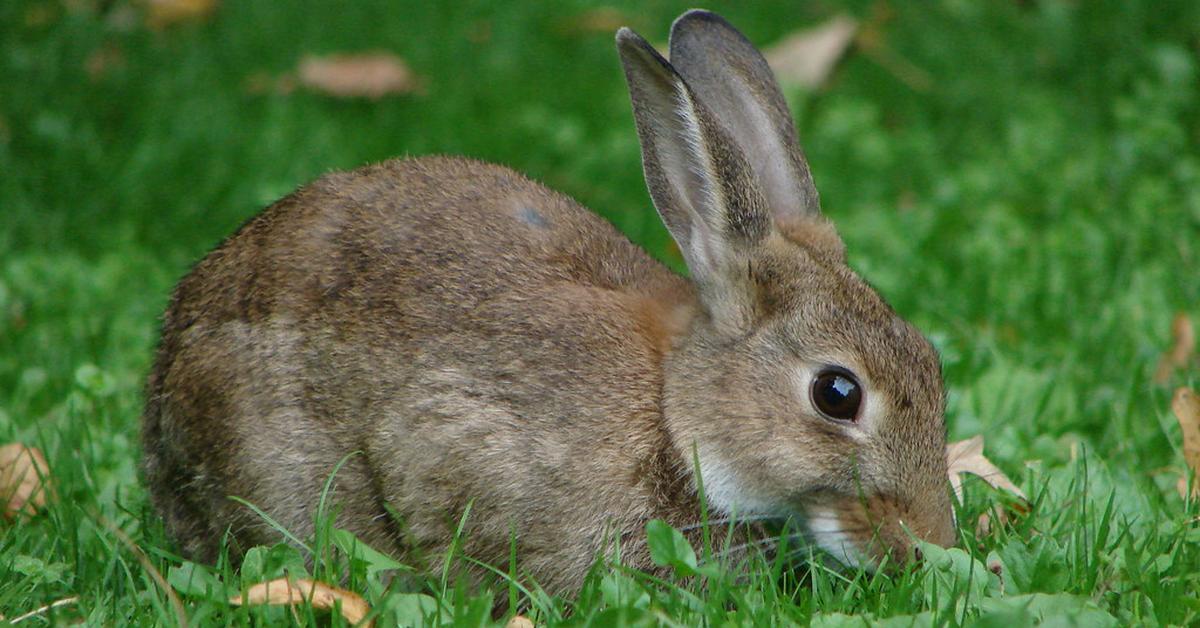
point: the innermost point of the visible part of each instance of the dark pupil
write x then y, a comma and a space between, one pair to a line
837, 395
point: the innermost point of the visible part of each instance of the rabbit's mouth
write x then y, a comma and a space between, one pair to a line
830, 532
795, 537
872, 530
840, 528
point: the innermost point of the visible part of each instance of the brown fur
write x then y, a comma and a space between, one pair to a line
468, 337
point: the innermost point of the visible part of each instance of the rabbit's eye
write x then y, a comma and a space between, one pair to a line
837, 394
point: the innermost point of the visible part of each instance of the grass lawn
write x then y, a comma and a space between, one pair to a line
1033, 206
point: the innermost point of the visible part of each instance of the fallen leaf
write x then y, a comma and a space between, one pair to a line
604, 20
103, 60
24, 480
1186, 406
16, 312
480, 32
82, 7
983, 525
966, 456
369, 75
123, 18
519, 621
260, 83
41, 14
1183, 343
807, 57
282, 591
161, 14
872, 42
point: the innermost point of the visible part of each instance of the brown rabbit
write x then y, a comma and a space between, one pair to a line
481, 340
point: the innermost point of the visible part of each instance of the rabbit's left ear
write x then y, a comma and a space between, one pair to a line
701, 183
733, 81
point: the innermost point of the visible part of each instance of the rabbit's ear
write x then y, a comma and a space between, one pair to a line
731, 78
699, 180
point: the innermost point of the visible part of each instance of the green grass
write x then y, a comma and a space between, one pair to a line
1035, 210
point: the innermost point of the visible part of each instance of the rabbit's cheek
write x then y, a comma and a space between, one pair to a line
727, 491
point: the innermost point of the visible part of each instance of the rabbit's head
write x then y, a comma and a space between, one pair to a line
798, 388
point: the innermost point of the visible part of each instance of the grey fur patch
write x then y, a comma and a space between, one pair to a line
533, 217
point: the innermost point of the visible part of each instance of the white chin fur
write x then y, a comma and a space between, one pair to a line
827, 530
727, 495
725, 492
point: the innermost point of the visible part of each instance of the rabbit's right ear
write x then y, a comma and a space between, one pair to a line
699, 179
736, 84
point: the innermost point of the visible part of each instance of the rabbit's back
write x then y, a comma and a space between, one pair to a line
471, 334
430, 238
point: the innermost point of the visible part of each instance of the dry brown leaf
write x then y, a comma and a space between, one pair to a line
1186, 406
807, 57
162, 14
519, 621
41, 14
604, 20
322, 596
103, 60
260, 83
966, 456
24, 480
123, 18
996, 516
480, 32
983, 526
368, 75
872, 42
1183, 344
83, 7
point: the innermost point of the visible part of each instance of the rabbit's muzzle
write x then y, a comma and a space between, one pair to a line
872, 530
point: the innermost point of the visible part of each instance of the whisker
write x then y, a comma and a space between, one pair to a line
734, 519
857, 530
741, 547
791, 532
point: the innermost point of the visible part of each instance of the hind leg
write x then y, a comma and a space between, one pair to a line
229, 417
284, 478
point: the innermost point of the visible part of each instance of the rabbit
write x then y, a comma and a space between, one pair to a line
477, 350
